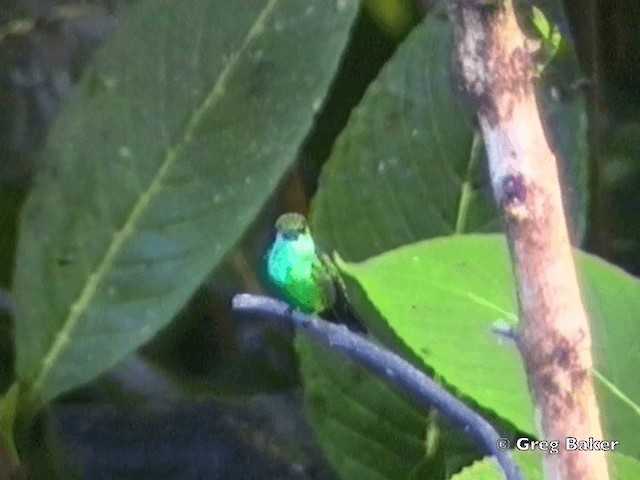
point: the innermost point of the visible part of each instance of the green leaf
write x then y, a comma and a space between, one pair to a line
439, 300
11, 199
621, 467
545, 29
367, 430
8, 410
530, 464
548, 32
184, 125
408, 166
613, 300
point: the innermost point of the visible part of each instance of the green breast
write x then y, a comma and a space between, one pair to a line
293, 267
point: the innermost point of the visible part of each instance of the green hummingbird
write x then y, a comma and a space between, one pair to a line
306, 278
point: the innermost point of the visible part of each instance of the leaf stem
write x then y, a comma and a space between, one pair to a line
466, 188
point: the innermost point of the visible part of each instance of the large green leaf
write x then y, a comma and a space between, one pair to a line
621, 467
530, 464
368, 430
439, 301
613, 300
10, 202
408, 165
8, 410
184, 125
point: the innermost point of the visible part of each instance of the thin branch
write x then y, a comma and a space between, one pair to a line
386, 365
555, 341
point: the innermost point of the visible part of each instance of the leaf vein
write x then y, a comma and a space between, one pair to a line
80, 305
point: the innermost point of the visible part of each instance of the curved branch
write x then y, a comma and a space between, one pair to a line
386, 365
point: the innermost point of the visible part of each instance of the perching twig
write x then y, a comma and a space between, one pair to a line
555, 341
389, 367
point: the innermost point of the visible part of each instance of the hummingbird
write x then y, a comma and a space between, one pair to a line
305, 277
